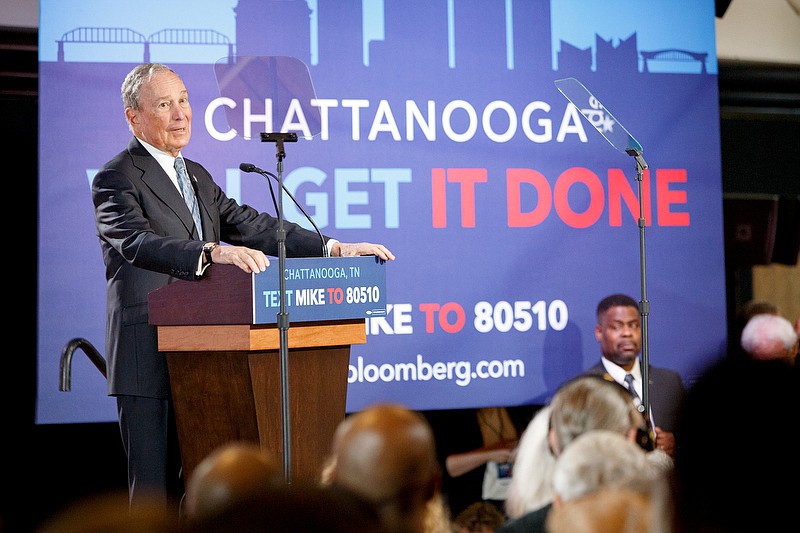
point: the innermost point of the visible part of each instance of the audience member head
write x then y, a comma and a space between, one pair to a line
591, 402
479, 517
112, 513
738, 460
232, 472
530, 486
601, 458
768, 336
386, 454
744, 313
608, 510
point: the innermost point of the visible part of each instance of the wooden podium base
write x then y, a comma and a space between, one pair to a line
225, 371
221, 395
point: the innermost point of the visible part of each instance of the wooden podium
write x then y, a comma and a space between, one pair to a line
225, 372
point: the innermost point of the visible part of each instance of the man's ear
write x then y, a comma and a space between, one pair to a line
131, 115
598, 332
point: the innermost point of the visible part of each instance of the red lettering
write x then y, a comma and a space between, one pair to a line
667, 197
592, 213
622, 193
429, 310
438, 198
461, 317
467, 177
335, 295
621, 188
515, 177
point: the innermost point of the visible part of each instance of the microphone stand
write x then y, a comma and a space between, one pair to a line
283, 314
644, 304
580, 96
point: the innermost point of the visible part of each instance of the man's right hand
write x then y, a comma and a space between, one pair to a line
248, 259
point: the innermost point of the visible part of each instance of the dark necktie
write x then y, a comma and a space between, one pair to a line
629, 383
188, 194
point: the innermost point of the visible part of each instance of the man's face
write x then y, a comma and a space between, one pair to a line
164, 117
619, 333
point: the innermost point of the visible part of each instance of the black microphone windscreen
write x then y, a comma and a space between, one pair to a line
247, 167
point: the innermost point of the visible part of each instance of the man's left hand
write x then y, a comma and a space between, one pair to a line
343, 249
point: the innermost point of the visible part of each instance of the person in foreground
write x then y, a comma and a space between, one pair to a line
619, 334
239, 488
232, 472
386, 454
161, 217
743, 483
601, 460
583, 404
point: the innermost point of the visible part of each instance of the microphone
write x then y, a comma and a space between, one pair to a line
249, 167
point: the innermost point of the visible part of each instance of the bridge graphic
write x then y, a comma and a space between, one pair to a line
95, 35
674, 55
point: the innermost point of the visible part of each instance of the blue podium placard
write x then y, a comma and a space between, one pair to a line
320, 289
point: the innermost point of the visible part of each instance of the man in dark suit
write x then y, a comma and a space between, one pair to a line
619, 333
156, 224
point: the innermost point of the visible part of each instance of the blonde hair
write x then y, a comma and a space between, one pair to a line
533, 467
590, 402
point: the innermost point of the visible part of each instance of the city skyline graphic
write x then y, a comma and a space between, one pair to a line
371, 36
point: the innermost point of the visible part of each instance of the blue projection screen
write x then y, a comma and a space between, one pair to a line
442, 135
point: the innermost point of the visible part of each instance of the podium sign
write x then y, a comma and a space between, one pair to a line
320, 289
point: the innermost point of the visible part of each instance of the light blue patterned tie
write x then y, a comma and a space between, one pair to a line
188, 194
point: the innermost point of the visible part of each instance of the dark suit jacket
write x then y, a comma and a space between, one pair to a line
666, 394
147, 239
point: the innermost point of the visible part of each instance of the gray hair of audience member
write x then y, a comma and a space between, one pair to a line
533, 467
768, 336
601, 458
608, 510
591, 402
